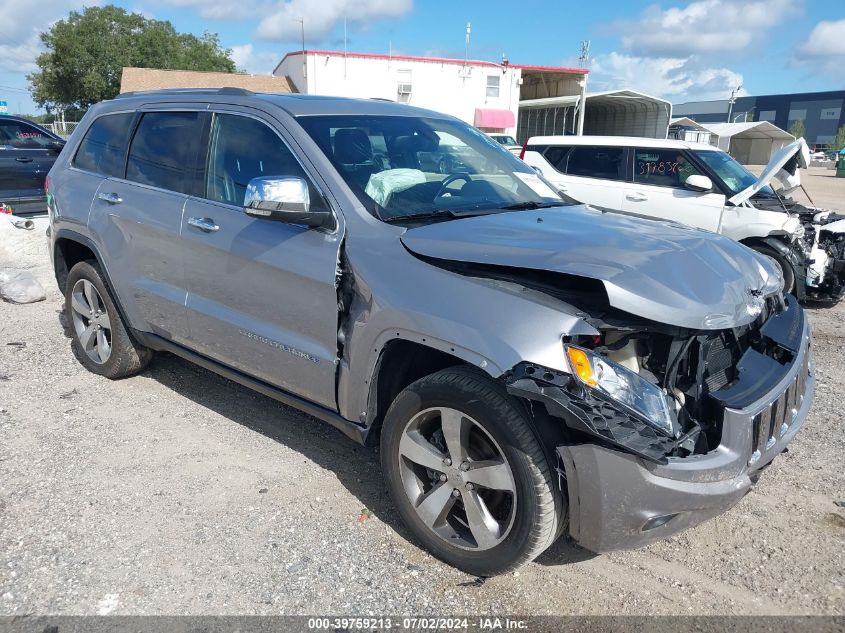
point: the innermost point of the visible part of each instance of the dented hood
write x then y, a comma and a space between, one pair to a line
784, 166
660, 271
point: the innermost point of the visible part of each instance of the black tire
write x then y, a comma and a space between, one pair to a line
126, 358
539, 507
785, 267
444, 166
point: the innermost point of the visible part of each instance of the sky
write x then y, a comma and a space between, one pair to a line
681, 51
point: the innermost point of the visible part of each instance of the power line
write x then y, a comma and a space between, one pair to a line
14, 89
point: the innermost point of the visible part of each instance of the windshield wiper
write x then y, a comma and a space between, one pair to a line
531, 205
484, 210
427, 215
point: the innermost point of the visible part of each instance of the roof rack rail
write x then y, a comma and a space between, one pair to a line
228, 90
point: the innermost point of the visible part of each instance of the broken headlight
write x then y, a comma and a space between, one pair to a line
624, 387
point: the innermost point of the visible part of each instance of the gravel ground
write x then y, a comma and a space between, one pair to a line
179, 492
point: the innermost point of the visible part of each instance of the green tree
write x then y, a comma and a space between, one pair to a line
86, 53
839, 141
798, 129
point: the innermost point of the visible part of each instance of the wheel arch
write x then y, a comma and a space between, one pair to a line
70, 248
403, 361
400, 363
781, 245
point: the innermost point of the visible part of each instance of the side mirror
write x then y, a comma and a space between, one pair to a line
285, 199
537, 169
699, 183
56, 146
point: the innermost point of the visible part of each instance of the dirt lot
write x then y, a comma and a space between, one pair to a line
179, 492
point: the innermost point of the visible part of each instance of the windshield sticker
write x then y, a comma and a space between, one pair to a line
536, 185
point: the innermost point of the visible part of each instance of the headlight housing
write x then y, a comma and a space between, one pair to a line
624, 387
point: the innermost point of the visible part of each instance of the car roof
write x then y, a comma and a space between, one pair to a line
619, 141
293, 103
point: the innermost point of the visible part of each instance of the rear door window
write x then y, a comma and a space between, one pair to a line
20, 135
607, 163
164, 151
557, 156
103, 148
662, 167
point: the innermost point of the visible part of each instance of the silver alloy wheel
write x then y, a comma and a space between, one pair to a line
91, 321
457, 479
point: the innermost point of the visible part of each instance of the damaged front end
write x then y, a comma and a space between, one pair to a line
821, 244
718, 407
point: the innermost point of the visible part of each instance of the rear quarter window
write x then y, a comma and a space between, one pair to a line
103, 147
164, 149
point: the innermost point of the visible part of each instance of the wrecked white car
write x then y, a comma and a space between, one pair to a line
703, 186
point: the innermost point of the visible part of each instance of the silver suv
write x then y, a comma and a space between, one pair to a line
526, 369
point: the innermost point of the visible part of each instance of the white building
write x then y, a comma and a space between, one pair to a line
484, 94
517, 99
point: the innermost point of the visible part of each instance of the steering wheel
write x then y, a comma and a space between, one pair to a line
449, 180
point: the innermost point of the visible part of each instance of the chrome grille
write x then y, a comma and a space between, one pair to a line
774, 421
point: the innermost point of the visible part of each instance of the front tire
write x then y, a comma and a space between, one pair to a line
98, 336
467, 473
786, 268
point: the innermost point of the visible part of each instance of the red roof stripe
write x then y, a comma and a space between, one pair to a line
438, 60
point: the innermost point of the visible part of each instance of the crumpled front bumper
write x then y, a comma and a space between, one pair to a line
620, 501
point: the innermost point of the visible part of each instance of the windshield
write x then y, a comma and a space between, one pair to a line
403, 166
733, 175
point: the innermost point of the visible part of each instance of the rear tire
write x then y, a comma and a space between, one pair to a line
785, 267
467, 473
99, 339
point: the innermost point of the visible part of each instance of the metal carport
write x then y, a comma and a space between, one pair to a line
550, 116
749, 143
685, 129
614, 113
626, 113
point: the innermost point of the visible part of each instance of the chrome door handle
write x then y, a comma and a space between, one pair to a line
111, 198
207, 225
23, 159
636, 197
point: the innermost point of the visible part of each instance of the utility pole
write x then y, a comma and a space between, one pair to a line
584, 59
466, 47
732, 100
304, 57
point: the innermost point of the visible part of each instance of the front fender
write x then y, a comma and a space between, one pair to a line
488, 324
743, 223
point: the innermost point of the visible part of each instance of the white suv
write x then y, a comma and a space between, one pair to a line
703, 186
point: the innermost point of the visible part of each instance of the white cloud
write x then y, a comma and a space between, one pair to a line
20, 29
676, 79
221, 9
255, 62
826, 39
704, 26
824, 49
20, 58
282, 23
